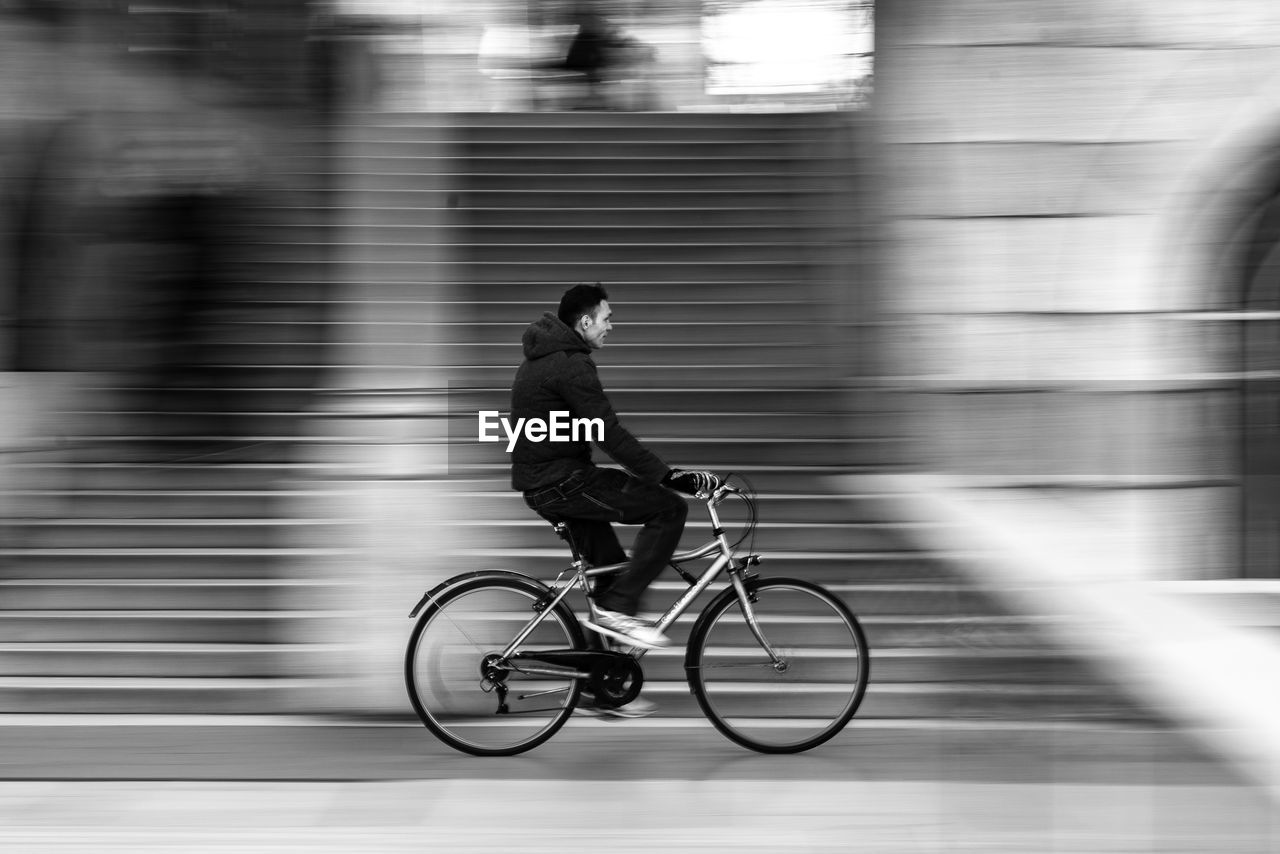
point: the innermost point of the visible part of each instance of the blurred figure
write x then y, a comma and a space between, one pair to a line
613, 64
566, 60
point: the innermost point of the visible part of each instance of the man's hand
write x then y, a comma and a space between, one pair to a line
691, 482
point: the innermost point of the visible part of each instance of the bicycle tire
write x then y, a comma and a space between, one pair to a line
746, 698
461, 622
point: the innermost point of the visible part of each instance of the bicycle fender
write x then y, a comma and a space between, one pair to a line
450, 583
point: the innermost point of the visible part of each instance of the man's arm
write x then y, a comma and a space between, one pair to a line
581, 388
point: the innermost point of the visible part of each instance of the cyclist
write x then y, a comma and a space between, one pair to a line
559, 480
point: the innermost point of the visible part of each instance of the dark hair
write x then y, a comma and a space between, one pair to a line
580, 300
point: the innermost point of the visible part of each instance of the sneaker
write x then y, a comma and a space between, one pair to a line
627, 629
637, 708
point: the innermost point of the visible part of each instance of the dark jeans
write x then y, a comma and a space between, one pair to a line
589, 500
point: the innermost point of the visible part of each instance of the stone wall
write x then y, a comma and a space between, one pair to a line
1060, 179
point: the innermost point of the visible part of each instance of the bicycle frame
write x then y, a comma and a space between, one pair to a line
725, 559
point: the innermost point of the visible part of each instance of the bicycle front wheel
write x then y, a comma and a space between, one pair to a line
459, 686
800, 696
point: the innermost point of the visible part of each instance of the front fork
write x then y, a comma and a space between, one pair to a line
747, 598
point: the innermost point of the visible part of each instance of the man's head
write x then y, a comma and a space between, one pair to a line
585, 310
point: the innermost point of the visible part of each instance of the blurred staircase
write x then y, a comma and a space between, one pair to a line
721, 239
144, 560
147, 573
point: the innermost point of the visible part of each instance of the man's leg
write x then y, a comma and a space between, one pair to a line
598, 544
609, 495
663, 514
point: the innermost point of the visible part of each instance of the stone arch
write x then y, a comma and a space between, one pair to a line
1225, 271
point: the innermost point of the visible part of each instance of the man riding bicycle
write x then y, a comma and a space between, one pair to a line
559, 480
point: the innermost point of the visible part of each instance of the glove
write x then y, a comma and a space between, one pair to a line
691, 482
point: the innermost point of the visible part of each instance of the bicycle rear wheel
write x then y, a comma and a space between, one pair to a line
459, 636
790, 705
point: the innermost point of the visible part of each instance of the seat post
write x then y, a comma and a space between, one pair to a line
562, 531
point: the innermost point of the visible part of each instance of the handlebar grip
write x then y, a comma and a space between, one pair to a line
719, 492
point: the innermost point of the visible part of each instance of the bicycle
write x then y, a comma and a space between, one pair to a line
782, 672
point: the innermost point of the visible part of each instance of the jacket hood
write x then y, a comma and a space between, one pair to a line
548, 335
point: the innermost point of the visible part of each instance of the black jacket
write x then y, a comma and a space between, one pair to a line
558, 374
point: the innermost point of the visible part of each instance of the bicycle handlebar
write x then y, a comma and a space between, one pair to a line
715, 496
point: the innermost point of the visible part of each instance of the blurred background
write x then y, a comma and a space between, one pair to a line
981, 296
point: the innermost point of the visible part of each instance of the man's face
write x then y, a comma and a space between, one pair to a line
595, 326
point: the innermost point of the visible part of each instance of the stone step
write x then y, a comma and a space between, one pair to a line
978, 632
701, 400
544, 294
903, 566
281, 402
205, 474
159, 564
508, 505
170, 660
277, 357
213, 448
149, 503
883, 700
569, 161
722, 454
641, 304
748, 145
947, 700
176, 414
778, 236
770, 536
498, 503
788, 258
453, 319
604, 181
590, 129
549, 250
643, 213
1245, 603
893, 701
256, 626
569, 267
663, 375
781, 195
395, 144
163, 533
391, 331
999, 630
150, 594
884, 598
936, 599
943, 665
143, 695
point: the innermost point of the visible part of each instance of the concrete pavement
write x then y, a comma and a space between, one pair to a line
292, 785
1175, 654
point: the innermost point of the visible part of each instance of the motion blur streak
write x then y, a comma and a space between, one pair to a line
982, 300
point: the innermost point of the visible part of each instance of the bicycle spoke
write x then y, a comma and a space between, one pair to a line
804, 697
454, 672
